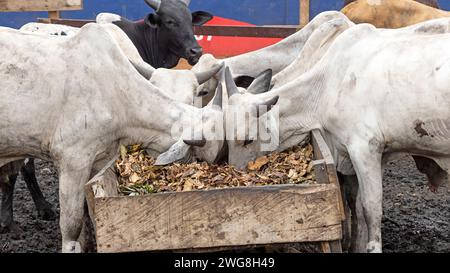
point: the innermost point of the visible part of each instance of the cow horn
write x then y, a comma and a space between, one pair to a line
187, 2
203, 77
231, 86
262, 83
144, 69
219, 95
196, 143
154, 4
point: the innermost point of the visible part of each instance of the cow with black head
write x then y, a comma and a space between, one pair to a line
165, 36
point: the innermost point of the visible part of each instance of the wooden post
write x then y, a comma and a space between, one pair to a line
54, 14
304, 12
331, 247
326, 171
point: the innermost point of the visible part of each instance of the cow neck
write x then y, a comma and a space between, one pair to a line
277, 56
152, 45
299, 104
151, 116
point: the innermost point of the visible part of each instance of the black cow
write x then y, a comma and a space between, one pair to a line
431, 3
167, 35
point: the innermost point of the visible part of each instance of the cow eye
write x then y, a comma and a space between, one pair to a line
248, 142
170, 22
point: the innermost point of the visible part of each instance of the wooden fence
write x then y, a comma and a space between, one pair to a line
55, 6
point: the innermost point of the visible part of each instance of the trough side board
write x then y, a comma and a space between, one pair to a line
215, 218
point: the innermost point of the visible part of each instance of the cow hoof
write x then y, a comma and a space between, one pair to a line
11, 228
46, 212
374, 247
72, 247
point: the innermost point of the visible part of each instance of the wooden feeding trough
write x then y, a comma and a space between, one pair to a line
232, 217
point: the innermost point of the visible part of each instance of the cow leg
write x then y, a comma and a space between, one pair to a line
362, 234
366, 161
71, 200
358, 224
44, 208
347, 223
6, 215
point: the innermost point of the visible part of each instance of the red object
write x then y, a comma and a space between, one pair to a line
221, 46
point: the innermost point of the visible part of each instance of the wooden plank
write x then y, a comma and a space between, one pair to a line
44, 20
331, 246
54, 14
104, 184
67, 22
40, 5
304, 12
322, 151
233, 31
325, 246
218, 218
246, 31
320, 170
332, 177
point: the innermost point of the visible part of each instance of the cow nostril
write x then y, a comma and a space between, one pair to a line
196, 51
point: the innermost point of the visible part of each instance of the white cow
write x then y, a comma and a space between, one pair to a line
374, 94
276, 57
181, 85
281, 55
74, 100
50, 29
314, 49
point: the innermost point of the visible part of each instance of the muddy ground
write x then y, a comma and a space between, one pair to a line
415, 220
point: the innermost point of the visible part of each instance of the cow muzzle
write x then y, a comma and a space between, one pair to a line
194, 55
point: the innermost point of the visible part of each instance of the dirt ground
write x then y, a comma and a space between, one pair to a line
415, 220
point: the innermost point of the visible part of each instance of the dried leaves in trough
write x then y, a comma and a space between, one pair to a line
138, 175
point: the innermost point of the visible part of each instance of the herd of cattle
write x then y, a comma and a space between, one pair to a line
73, 96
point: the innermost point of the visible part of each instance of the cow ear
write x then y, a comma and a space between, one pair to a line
152, 20
243, 81
202, 93
262, 83
178, 151
201, 17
